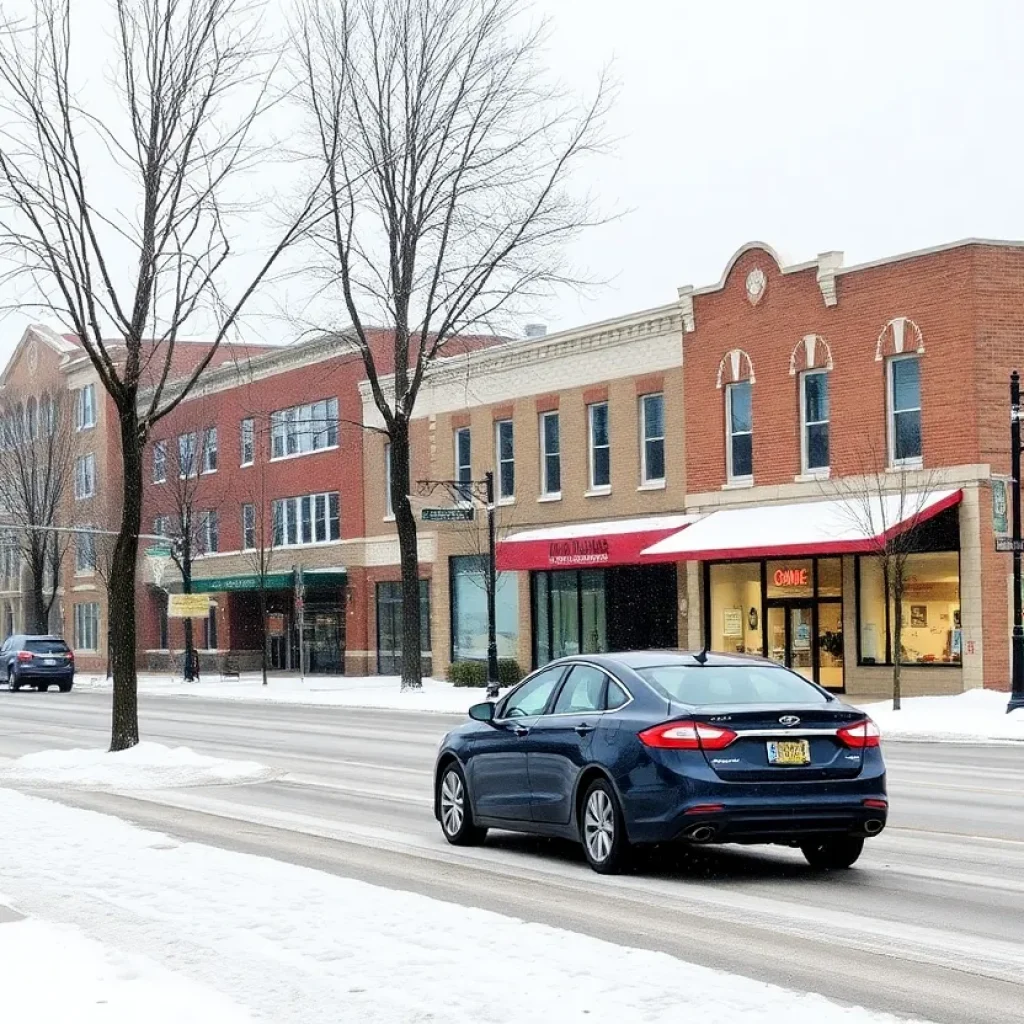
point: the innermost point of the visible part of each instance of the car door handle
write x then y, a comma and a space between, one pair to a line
584, 728
520, 731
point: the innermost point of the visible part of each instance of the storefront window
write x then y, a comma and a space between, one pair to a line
931, 610
565, 623
595, 638
736, 608
791, 578
469, 610
830, 577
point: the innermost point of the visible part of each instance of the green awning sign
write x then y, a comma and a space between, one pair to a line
272, 581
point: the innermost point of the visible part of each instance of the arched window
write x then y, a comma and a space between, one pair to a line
901, 345
811, 362
736, 375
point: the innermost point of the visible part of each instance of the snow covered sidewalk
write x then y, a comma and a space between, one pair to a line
95, 984
978, 716
144, 766
294, 945
329, 691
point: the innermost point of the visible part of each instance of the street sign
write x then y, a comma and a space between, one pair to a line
1000, 524
188, 606
1005, 544
448, 515
159, 551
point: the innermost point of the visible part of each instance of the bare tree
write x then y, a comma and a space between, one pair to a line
36, 462
447, 154
259, 537
189, 509
170, 154
886, 507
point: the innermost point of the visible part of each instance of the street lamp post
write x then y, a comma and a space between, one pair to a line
1017, 647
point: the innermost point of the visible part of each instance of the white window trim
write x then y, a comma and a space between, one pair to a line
312, 451
651, 483
216, 448
296, 501
194, 456
546, 494
304, 455
456, 434
83, 460
80, 423
596, 489
736, 481
252, 505
806, 471
504, 499
914, 461
89, 570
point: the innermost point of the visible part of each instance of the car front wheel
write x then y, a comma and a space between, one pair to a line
833, 854
12, 681
603, 830
455, 811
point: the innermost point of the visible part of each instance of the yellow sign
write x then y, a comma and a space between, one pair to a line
188, 606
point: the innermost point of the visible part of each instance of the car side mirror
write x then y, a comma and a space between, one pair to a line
482, 712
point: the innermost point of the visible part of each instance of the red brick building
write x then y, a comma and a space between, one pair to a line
814, 384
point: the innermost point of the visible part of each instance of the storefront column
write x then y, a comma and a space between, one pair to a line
695, 597
984, 595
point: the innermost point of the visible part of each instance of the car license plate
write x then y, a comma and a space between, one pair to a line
789, 752
49, 661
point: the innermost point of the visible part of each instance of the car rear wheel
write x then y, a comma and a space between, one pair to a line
42, 687
65, 687
12, 680
453, 806
602, 829
833, 854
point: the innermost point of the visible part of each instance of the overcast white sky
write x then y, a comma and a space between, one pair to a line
872, 128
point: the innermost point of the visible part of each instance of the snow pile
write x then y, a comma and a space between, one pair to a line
972, 717
296, 945
329, 691
145, 766
54, 975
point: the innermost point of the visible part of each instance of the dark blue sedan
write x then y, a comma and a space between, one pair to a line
622, 750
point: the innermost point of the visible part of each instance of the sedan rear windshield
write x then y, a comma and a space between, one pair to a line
731, 684
46, 646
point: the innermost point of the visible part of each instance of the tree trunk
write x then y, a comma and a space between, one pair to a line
405, 521
39, 619
263, 630
897, 654
186, 588
124, 730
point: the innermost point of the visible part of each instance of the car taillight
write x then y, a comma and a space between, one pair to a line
687, 736
861, 735
70, 656
24, 655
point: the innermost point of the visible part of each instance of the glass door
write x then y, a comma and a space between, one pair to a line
790, 636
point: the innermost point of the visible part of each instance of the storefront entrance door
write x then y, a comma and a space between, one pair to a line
791, 635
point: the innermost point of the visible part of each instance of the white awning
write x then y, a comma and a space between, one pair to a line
849, 524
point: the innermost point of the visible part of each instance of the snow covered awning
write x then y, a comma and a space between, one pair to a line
835, 526
588, 545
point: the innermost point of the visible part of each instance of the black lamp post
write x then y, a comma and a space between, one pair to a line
1017, 647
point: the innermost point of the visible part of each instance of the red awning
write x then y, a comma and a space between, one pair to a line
835, 526
588, 545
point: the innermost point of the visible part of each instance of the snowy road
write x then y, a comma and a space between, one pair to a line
931, 924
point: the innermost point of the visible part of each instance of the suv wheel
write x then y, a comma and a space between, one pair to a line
13, 683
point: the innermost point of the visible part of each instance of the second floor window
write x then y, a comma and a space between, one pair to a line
210, 450
159, 462
304, 428
652, 439
162, 526
389, 508
600, 447
464, 462
904, 409
814, 420
85, 476
85, 552
740, 431
505, 443
85, 407
188, 463
550, 455
248, 442
248, 527
310, 519
209, 533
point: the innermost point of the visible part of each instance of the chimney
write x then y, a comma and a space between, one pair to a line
536, 331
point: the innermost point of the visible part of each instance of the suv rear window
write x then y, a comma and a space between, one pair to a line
731, 684
46, 646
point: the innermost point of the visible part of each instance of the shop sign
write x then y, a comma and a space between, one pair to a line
188, 606
584, 551
275, 624
791, 578
457, 514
